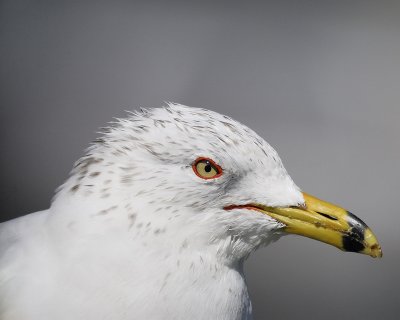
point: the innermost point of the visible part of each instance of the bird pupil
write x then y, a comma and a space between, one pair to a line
207, 168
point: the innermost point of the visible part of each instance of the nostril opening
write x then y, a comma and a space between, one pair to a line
327, 215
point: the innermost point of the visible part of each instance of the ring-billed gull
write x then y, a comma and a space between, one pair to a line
156, 221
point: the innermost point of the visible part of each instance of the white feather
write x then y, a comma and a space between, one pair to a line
135, 234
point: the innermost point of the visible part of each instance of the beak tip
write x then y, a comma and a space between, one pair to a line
372, 247
376, 251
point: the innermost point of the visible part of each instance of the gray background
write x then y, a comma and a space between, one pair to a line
319, 80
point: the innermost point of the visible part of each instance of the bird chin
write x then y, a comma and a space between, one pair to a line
248, 232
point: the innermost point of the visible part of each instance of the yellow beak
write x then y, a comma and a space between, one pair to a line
328, 223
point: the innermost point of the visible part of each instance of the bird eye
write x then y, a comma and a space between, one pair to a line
206, 168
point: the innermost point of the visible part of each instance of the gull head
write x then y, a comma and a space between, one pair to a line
205, 179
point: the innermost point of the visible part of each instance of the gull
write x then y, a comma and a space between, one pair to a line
156, 221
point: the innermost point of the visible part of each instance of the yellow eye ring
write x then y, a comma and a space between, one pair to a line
206, 168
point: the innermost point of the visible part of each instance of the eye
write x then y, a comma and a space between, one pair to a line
206, 168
